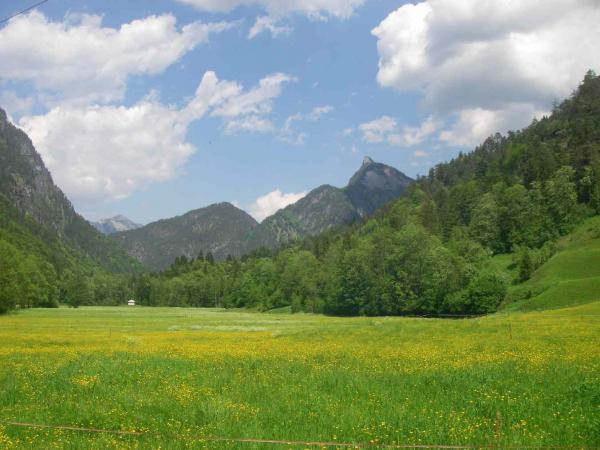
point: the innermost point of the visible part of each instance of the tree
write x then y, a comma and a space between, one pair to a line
77, 289
482, 296
485, 223
525, 264
561, 199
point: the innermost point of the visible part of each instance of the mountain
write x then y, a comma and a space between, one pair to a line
36, 205
115, 224
219, 229
325, 207
322, 208
374, 185
223, 229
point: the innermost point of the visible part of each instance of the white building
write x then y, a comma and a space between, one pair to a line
131, 302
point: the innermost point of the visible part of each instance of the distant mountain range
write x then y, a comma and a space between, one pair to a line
223, 229
115, 224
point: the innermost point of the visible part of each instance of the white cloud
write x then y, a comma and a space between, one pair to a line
414, 135
258, 100
266, 23
385, 129
473, 126
272, 202
420, 154
107, 152
314, 9
250, 124
346, 132
288, 132
377, 130
319, 111
483, 59
80, 61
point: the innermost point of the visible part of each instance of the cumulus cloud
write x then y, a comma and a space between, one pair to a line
272, 202
480, 60
107, 152
80, 61
266, 23
474, 125
385, 129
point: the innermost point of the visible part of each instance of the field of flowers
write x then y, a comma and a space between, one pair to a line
183, 377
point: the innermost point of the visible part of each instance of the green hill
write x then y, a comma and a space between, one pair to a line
571, 277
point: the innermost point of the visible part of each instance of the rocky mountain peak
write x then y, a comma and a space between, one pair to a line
374, 185
115, 224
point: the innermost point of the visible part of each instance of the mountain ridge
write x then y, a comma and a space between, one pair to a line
218, 228
322, 209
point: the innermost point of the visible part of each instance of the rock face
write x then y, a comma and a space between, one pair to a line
26, 182
370, 188
27, 185
219, 229
115, 224
374, 185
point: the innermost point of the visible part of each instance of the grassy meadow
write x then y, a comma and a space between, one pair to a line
186, 375
571, 277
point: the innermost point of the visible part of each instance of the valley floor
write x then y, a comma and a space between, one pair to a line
185, 376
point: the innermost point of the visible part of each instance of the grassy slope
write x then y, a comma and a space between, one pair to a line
521, 378
570, 277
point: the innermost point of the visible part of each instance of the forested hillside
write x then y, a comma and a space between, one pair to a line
432, 251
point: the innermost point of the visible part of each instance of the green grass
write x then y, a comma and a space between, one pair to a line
570, 277
184, 374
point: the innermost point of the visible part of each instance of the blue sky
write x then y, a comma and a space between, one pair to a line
408, 84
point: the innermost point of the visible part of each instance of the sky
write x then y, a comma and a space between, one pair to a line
152, 109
